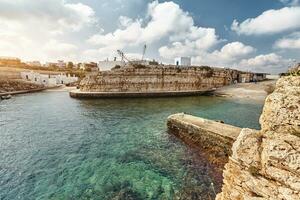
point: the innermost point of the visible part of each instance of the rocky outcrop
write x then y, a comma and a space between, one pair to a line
266, 164
8, 85
158, 79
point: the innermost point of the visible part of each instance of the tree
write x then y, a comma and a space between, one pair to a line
70, 65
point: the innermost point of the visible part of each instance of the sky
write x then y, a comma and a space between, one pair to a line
256, 35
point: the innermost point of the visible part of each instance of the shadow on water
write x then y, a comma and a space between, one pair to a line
63, 148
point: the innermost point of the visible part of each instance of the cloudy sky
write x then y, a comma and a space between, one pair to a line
256, 35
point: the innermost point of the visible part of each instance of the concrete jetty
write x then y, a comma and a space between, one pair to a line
211, 136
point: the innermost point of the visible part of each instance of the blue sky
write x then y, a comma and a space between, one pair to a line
256, 35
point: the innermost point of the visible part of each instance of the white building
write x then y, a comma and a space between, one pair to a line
108, 65
48, 80
61, 64
183, 61
34, 63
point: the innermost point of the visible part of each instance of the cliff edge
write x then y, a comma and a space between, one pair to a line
266, 164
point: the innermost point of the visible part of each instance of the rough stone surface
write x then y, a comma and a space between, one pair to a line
158, 79
246, 149
282, 108
266, 164
206, 133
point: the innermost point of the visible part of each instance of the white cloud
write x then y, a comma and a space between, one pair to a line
291, 41
227, 56
166, 21
266, 63
56, 29
233, 51
30, 26
125, 21
270, 22
60, 50
290, 2
55, 14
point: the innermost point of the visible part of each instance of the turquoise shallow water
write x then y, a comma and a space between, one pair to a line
55, 147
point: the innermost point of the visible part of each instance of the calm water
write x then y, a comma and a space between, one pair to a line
55, 147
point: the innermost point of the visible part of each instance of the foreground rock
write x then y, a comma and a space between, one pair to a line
266, 164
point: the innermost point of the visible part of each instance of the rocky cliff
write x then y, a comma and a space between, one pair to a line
158, 79
266, 164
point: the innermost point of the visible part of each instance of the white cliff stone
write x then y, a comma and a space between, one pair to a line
246, 148
266, 164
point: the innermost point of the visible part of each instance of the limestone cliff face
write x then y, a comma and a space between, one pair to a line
266, 164
158, 79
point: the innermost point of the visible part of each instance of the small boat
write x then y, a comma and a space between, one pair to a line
6, 97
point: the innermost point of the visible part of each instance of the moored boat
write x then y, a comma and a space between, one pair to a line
6, 97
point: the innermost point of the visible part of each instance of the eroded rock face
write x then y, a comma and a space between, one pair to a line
158, 79
282, 109
266, 164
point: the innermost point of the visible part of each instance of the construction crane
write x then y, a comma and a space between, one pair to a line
122, 55
144, 52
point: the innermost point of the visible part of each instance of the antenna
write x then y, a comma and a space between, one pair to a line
144, 51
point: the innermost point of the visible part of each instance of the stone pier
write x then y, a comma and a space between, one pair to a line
213, 137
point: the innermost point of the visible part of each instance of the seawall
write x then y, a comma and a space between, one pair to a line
150, 81
213, 137
95, 95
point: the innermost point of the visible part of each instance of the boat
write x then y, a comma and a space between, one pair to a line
6, 97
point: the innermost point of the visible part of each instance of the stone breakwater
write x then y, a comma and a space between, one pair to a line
266, 164
134, 80
212, 139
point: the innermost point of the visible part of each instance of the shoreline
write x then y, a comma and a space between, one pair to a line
246, 91
27, 91
98, 95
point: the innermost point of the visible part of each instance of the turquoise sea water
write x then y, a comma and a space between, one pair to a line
55, 147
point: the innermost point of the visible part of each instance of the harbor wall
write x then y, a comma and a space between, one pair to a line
213, 137
158, 79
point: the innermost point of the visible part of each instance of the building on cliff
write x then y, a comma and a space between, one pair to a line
183, 61
108, 65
